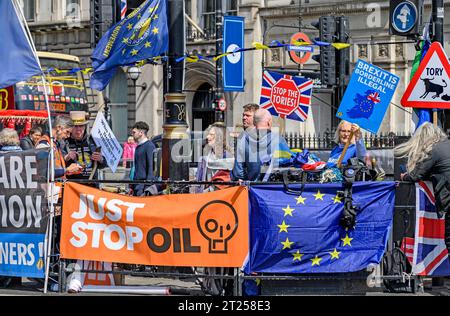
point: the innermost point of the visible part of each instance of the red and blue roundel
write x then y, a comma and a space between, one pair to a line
286, 96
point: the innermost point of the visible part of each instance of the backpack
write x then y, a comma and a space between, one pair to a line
396, 264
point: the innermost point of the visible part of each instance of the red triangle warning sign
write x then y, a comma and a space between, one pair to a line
430, 86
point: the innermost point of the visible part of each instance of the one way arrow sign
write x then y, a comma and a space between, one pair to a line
430, 86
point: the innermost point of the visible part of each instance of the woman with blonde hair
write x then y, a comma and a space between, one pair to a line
428, 153
9, 140
217, 157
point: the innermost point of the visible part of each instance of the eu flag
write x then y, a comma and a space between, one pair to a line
141, 35
300, 233
17, 60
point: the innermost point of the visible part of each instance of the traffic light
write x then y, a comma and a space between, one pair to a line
327, 59
405, 17
343, 55
102, 17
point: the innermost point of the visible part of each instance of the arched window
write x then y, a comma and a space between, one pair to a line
202, 106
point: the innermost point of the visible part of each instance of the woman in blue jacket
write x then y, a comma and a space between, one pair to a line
355, 149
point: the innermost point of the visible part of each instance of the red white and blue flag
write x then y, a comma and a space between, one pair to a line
430, 253
286, 96
123, 9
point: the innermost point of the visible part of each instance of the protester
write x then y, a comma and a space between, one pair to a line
9, 142
61, 129
80, 148
355, 149
143, 158
129, 148
30, 141
217, 159
248, 114
428, 153
256, 149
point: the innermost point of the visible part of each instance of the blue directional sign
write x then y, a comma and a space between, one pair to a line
367, 96
233, 64
404, 16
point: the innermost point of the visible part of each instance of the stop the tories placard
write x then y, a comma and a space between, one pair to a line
286, 96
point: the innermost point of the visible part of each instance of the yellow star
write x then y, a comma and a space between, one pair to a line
155, 17
316, 261
130, 26
155, 30
150, 10
297, 256
300, 199
337, 199
288, 210
287, 244
139, 16
347, 240
318, 195
335, 254
134, 52
125, 40
283, 227
147, 44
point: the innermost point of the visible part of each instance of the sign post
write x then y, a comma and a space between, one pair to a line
429, 87
286, 96
367, 98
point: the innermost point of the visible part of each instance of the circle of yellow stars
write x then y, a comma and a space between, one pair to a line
287, 244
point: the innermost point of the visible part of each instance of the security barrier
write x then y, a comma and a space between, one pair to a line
272, 282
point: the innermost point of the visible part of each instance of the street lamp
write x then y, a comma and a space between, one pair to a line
134, 73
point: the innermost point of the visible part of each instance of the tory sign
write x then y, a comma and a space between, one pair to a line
286, 96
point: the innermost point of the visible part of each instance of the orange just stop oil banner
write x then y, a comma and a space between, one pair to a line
206, 230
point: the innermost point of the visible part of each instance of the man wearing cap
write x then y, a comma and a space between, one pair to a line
81, 149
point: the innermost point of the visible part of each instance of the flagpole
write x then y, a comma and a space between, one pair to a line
51, 181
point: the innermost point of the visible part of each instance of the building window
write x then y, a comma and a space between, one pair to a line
231, 7
188, 7
29, 9
209, 16
73, 9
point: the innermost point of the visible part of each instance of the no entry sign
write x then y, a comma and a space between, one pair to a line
286, 96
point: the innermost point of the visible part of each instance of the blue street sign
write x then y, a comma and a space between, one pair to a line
301, 48
367, 96
404, 17
233, 64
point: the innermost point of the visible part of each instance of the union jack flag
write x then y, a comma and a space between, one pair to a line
123, 9
374, 97
430, 253
303, 85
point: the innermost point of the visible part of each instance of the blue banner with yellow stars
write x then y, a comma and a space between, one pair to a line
300, 233
141, 35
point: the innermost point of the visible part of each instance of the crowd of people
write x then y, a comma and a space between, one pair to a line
252, 158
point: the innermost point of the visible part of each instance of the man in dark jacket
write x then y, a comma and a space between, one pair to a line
30, 141
256, 148
81, 149
143, 157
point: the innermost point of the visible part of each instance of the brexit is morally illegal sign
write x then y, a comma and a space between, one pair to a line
367, 96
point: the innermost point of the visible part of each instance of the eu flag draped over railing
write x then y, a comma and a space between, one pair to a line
18, 62
141, 35
300, 233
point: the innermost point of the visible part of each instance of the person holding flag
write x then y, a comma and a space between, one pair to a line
143, 34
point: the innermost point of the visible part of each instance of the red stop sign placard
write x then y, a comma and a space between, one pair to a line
285, 96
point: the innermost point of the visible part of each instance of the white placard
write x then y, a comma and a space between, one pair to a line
104, 138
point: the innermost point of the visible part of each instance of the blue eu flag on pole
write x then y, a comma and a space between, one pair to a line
300, 233
18, 61
141, 35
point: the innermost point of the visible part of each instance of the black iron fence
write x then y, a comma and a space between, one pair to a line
326, 141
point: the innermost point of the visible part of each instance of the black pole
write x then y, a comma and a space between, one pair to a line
219, 115
437, 12
174, 150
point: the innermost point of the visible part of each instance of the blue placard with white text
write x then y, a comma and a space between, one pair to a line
233, 64
367, 96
